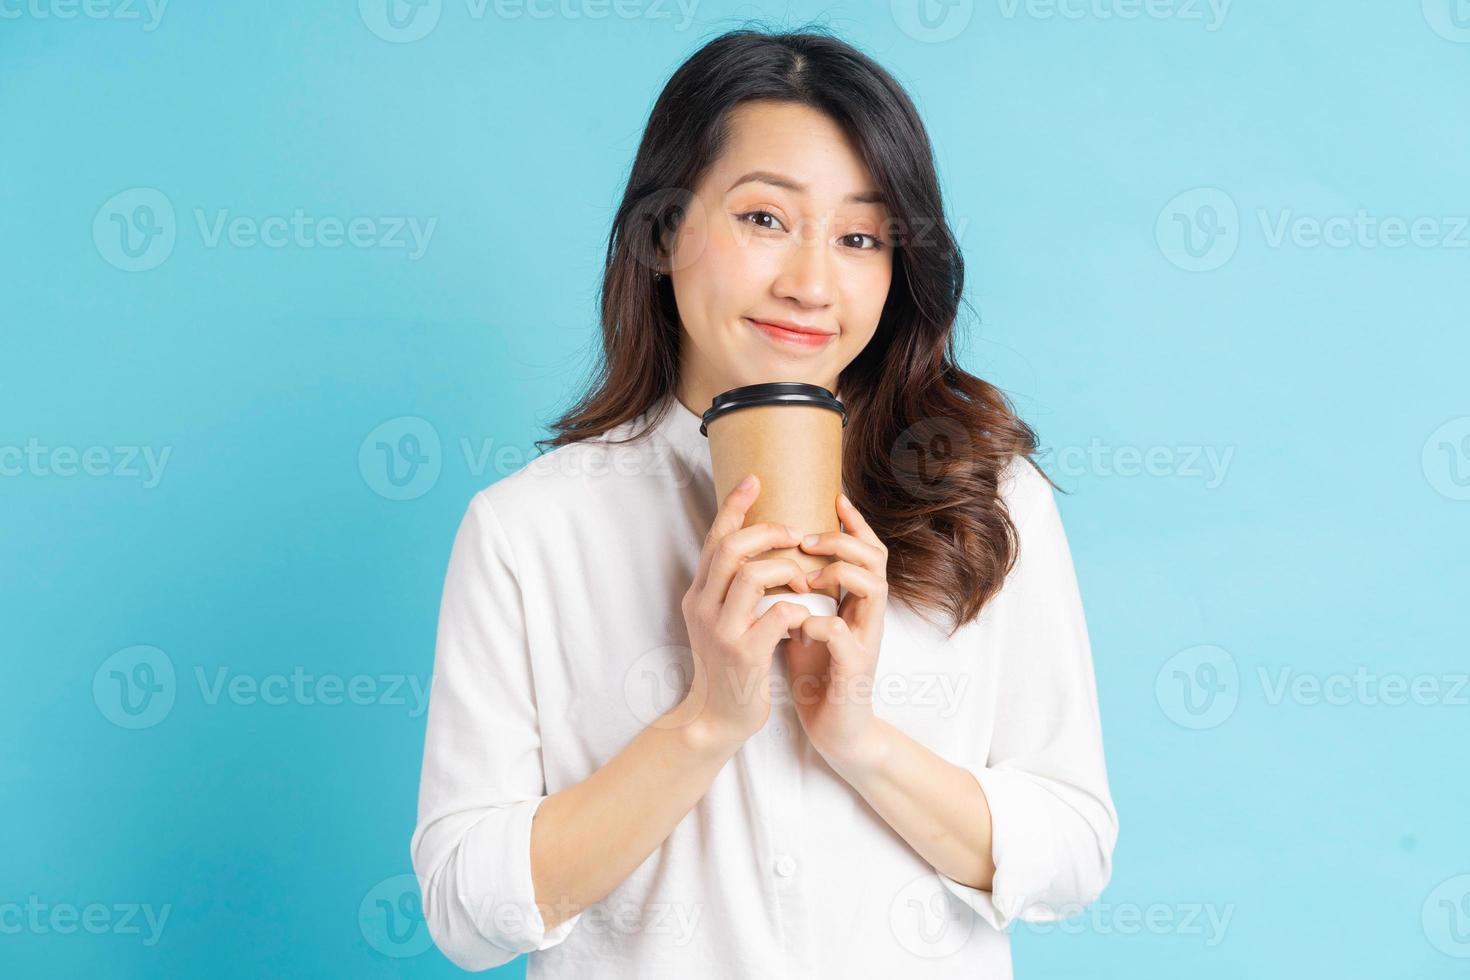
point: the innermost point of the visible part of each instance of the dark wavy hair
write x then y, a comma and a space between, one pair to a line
926, 442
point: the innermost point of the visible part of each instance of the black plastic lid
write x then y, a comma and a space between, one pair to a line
773, 393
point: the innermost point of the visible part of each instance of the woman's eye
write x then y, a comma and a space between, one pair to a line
748, 214
877, 242
754, 217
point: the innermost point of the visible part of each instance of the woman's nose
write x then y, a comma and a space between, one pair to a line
806, 276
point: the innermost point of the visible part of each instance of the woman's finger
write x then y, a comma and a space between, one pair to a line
856, 579
857, 524
736, 548
776, 623
750, 584
846, 654
848, 548
730, 517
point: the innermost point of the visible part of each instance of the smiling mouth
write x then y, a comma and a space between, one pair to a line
791, 338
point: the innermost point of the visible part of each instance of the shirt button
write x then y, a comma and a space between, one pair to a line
778, 730
785, 866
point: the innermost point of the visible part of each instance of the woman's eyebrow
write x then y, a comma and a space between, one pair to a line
778, 180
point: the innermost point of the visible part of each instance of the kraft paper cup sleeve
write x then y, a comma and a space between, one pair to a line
818, 604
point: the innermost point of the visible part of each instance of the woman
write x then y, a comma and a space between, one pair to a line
626, 774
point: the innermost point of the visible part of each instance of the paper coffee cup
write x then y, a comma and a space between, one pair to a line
789, 434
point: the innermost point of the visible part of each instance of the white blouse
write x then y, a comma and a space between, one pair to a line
561, 637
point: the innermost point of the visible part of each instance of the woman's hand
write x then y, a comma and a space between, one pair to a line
730, 697
832, 659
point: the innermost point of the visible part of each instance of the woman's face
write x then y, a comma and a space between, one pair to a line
785, 226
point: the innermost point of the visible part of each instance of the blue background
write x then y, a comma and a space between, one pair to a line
1091, 163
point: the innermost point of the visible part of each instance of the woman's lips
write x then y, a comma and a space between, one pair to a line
791, 338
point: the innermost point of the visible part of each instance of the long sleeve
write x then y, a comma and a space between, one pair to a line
1053, 821
482, 779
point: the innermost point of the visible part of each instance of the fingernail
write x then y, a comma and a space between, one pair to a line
812, 575
747, 483
810, 540
793, 531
